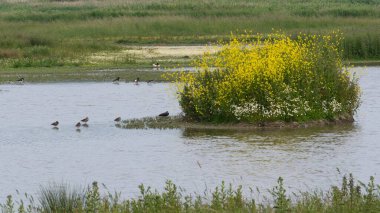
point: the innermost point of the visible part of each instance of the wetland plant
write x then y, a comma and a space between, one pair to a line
274, 78
59, 198
350, 196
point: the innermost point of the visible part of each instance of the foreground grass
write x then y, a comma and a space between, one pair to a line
350, 196
48, 33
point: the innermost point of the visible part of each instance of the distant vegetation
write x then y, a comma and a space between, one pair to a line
352, 196
43, 33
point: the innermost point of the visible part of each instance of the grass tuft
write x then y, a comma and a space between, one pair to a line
60, 198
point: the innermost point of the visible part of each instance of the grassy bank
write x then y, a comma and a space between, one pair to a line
47, 33
350, 196
69, 74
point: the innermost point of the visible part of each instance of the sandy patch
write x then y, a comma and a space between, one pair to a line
172, 51
154, 52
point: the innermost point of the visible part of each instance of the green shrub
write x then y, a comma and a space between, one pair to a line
272, 78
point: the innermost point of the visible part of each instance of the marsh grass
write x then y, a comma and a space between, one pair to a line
60, 198
350, 196
42, 33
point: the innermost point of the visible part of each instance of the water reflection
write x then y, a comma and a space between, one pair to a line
276, 136
31, 153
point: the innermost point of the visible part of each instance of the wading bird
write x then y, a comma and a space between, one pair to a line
118, 119
116, 80
137, 80
164, 114
78, 127
84, 120
55, 123
20, 81
156, 65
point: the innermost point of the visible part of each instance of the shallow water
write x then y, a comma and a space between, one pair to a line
34, 154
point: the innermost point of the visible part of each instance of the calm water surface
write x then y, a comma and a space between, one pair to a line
33, 154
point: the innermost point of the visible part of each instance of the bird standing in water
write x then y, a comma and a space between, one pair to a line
118, 119
84, 120
156, 65
20, 81
116, 80
164, 114
78, 126
137, 80
55, 123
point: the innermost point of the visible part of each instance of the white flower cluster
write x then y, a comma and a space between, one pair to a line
288, 104
289, 107
247, 110
277, 108
333, 106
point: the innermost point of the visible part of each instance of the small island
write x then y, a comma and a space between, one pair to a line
272, 81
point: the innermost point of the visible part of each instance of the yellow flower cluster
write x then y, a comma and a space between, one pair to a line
261, 70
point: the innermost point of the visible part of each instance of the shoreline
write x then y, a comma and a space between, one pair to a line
100, 74
179, 122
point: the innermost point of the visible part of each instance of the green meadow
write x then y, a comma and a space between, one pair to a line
47, 33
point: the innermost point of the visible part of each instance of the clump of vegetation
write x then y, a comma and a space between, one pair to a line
60, 198
171, 122
269, 79
351, 196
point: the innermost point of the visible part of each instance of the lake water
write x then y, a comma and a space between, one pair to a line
34, 154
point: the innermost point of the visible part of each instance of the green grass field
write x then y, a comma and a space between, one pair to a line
47, 33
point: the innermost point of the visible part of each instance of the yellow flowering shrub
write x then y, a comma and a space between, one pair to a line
271, 78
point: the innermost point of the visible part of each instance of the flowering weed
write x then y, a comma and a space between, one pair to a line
271, 78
